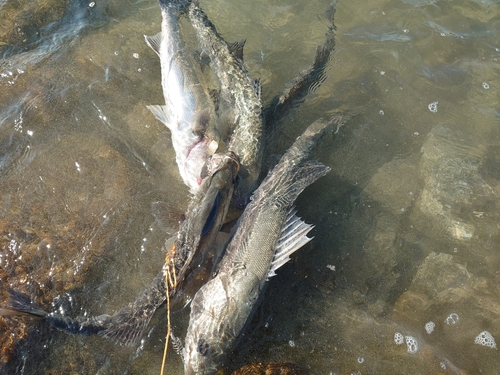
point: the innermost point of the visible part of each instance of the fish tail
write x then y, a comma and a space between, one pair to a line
295, 172
305, 175
20, 304
175, 6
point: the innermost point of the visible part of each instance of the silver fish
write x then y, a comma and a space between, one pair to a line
241, 94
267, 233
189, 110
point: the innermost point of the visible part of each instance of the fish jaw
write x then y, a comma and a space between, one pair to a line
202, 354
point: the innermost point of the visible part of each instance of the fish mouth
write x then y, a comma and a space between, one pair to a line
223, 161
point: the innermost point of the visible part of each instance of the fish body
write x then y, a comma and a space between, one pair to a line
267, 233
189, 111
241, 94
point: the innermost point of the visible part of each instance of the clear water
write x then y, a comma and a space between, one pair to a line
406, 222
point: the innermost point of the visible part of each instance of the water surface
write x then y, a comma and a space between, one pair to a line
406, 222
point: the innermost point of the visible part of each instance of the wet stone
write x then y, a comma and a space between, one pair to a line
455, 199
56, 222
21, 22
395, 185
459, 303
271, 369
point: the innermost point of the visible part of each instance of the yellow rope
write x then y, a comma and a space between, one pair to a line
167, 337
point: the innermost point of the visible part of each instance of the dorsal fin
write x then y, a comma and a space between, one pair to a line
154, 41
257, 87
293, 237
236, 49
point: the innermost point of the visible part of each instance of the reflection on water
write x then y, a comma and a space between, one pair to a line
402, 275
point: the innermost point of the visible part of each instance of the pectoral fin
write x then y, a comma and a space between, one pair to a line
154, 41
159, 111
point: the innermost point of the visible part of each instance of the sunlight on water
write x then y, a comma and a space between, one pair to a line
402, 274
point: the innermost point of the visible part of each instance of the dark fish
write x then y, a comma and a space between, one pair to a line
242, 95
189, 250
267, 233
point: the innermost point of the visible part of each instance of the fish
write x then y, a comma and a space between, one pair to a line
241, 95
306, 82
190, 107
196, 236
267, 233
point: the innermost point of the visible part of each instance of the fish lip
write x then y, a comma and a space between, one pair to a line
227, 160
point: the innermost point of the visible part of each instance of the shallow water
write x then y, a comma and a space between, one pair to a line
406, 222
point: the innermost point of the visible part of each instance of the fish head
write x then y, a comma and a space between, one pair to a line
207, 337
201, 356
227, 161
205, 214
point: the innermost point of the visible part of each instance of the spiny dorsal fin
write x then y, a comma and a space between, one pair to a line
236, 49
154, 42
293, 237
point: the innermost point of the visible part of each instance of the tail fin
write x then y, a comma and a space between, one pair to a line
125, 328
176, 6
21, 304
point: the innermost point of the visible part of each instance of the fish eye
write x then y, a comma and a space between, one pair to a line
203, 348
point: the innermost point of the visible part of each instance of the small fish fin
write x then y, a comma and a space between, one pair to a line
211, 216
160, 112
236, 49
177, 345
167, 216
219, 247
154, 41
293, 237
22, 304
257, 86
126, 329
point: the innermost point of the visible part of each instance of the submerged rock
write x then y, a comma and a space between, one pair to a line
278, 368
460, 305
21, 22
455, 196
59, 214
